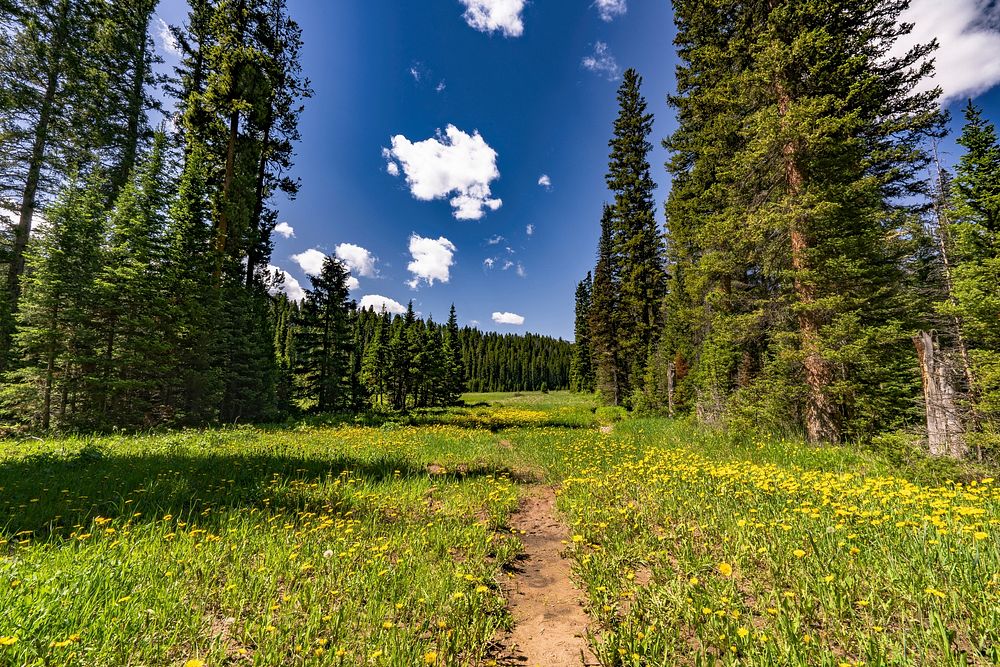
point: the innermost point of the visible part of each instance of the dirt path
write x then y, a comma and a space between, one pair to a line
550, 623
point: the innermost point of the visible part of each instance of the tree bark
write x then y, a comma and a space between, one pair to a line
30, 192
945, 435
821, 413
222, 232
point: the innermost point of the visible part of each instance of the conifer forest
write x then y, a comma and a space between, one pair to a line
497, 333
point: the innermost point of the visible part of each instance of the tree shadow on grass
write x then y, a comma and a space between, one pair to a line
50, 494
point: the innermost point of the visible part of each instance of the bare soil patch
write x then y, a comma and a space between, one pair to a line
550, 622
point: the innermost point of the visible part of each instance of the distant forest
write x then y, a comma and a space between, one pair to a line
821, 273
139, 290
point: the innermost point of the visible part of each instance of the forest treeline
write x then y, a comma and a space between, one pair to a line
138, 285
820, 271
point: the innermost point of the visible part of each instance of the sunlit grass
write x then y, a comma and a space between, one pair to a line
384, 543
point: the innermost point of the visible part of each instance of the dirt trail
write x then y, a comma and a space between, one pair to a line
550, 623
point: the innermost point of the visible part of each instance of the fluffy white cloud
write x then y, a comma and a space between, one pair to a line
290, 287
415, 73
352, 283
508, 318
284, 229
377, 302
968, 31
609, 9
455, 164
310, 261
440, 87
521, 272
359, 260
432, 259
489, 262
601, 62
166, 38
495, 240
495, 15
545, 181
530, 230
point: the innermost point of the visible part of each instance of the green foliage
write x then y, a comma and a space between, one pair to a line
795, 172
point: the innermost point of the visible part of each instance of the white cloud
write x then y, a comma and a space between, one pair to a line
508, 318
530, 230
545, 181
489, 262
968, 31
358, 259
609, 9
415, 73
167, 40
474, 323
601, 62
521, 273
508, 265
495, 15
440, 87
310, 261
376, 302
352, 283
284, 229
495, 240
432, 260
455, 164
290, 287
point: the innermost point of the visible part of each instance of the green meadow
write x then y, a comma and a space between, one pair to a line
386, 542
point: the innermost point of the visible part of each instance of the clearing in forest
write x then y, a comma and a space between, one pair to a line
394, 542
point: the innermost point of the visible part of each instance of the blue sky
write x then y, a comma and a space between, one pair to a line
433, 123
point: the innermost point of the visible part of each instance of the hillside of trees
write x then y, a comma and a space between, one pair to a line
138, 288
820, 272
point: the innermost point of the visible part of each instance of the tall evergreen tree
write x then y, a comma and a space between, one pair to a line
605, 323
975, 241
581, 370
375, 367
56, 341
803, 181
453, 367
324, 340
129, 301
637, 241
46, 120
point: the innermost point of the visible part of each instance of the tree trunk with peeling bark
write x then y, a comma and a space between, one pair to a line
945, 433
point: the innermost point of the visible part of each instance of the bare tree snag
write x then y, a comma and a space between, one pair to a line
945, 435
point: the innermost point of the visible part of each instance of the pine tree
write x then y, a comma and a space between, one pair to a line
45, 121
128, 300
609, 371
791, 186
324, 340
192, 303
375, 367
453, 365
56, 342
581, 370
127, 56
975, 234
637, 242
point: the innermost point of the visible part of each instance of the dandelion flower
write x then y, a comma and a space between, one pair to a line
726, 569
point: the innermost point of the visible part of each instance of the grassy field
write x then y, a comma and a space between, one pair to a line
383, 543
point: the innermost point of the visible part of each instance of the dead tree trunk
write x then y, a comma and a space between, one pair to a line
945, 435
